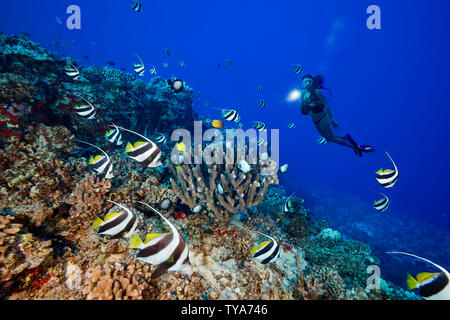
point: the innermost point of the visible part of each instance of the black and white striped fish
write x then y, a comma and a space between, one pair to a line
146, 152
72, 72
101, 163
262, 103
432, 286
136, 6
259, 89
153, 70
291, 125
231, 115
383, 204
387, 178
181, 63
267, 251
298, 69
288, 204
168, 251
260, 126
322, 140
117, 224
114, 136
86, 111
160, 138
139, 68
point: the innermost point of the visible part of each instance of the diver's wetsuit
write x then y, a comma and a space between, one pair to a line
314, 104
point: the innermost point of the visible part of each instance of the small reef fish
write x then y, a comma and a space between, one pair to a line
114, 136
101, 164
244, 166
259, 89
229, 62
85, 111
176, 85
206, 104
218, 66
220, 188
284, 168
231, 115
262, 103
288, 204
181, 147
117, 224
139, 68
267, 251
291, 125
168, 251
432, 286
383, 204
166, 204
217, 124
181, 63
111, 63
165, 65
146, 152
322, 140
298, 69
72, 72
153, 70
167, 51
260, 126
160, 138
136, 6
387, 178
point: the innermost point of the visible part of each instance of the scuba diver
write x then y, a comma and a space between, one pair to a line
315, 105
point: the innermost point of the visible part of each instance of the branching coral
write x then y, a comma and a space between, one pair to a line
221, 188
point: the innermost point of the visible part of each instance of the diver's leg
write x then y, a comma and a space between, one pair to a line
325, 130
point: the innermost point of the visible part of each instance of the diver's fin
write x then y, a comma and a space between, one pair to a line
367, 148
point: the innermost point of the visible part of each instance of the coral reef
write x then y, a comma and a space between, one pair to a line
50, 199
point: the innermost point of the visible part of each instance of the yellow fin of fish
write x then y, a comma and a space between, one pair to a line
93, 160
111, 215
138, 143
96, 223
388, 171
171, 259
421, 277
151, 236
411, 282
262, 244
253, 251
379, 171
135, 242
129, 147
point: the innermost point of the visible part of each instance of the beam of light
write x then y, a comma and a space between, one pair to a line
294, 95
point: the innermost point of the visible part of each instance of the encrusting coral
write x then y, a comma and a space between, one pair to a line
87, 200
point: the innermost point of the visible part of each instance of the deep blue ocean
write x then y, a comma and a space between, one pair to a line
389, 89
